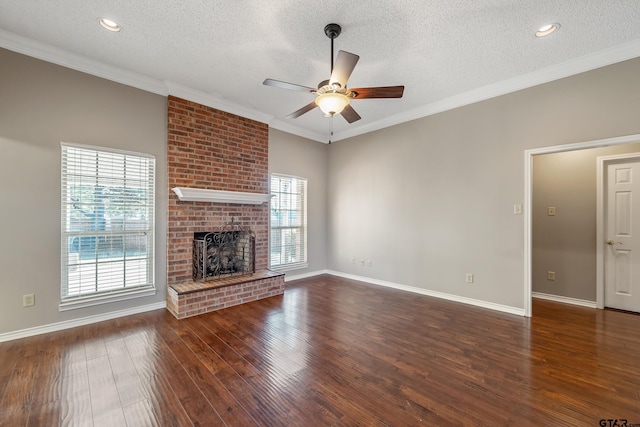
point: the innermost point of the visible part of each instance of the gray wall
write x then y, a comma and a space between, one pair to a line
430, 200
293, 155
42, 104
566, 243
426, 201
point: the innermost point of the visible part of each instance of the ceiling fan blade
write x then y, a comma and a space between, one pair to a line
344, 65
377, 92
350, 114
302, 111
285, 85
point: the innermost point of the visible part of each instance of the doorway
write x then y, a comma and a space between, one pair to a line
528, 157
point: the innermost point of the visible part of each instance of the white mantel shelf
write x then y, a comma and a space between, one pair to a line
219, 196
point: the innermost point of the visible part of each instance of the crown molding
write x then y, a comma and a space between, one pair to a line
70, 60
296, 130
216, 102
569, 68
66, 59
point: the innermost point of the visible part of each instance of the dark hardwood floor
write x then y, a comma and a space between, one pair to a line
331, 352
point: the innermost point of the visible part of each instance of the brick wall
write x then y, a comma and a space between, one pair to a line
214, 150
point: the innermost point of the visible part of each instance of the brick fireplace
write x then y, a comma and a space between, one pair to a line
214, 150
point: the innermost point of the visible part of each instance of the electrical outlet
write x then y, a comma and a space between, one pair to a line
369, 263
551, 275
551, 211
469, 278
517, 209
28, 300
353, 260
362, 262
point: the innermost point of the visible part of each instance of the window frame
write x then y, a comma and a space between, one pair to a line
146, 173
304, 226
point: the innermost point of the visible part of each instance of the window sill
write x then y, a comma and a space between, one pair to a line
91, 300
291, 267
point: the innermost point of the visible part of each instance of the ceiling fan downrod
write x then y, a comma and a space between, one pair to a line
332, 31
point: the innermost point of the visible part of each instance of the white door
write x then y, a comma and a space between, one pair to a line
622, 236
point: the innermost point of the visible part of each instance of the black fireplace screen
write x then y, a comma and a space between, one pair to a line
225, 253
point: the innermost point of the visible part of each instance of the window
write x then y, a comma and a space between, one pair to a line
107, 225
288, 244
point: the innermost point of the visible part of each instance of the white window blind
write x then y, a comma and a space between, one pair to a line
288, 245
107, 222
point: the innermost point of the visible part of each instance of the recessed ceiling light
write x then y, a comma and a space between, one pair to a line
110, 25
547, 29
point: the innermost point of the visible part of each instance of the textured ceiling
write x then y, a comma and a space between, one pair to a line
445, 52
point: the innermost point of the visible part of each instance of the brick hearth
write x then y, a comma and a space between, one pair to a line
214, 150
193, 298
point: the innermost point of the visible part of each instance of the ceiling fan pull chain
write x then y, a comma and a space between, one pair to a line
331, 134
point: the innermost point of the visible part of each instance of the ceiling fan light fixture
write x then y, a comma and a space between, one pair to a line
332, 103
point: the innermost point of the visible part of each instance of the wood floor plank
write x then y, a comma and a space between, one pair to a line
109, 417
346, 359
48, 375
345, 356
76, 400
47, 415
21, 384
74, 360
128, 383
268, 402
163, 401
331, 351
9, 354
224, 404
142, 349
278, 379
94, 346
105, 401
227, 378
140, 414
287, 368
190, 396
272, 406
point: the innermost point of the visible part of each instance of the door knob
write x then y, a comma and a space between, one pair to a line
613, 242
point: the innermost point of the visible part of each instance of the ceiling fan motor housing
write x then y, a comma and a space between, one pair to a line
332, 30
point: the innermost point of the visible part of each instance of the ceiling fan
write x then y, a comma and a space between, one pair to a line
333, 96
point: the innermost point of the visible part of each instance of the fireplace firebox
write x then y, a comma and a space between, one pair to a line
224, 253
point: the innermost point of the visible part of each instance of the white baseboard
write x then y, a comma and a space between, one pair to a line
565, 300
23, 333
52, 327
289, 278
441, 295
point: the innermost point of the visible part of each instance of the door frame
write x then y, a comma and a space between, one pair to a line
528, 191
602, 163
